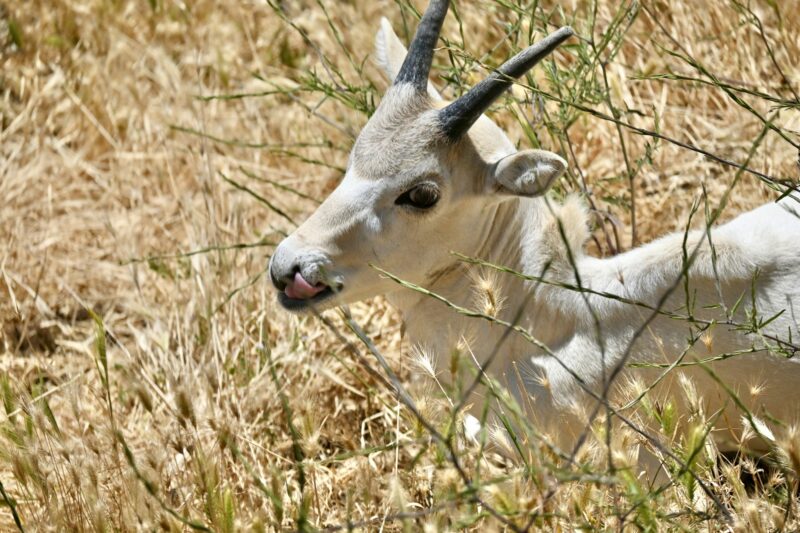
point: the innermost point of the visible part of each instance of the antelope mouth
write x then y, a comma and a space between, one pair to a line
299, 304
299, 294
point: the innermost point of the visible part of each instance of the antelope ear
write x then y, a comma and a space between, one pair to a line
390, 54
527, 173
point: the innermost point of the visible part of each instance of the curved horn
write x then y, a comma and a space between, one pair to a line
417, 65
458, 117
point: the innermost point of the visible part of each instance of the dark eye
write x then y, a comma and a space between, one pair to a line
422, 196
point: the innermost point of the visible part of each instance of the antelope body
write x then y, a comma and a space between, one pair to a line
426, 178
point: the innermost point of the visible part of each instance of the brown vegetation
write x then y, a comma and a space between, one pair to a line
151, 153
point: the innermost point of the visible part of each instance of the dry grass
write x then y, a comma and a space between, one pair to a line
220, 410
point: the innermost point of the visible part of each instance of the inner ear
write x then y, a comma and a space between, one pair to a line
528, 173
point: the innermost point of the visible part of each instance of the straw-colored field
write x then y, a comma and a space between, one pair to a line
151, 155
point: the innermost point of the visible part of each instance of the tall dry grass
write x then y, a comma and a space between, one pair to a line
154, 152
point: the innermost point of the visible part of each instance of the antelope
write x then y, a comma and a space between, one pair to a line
427, 177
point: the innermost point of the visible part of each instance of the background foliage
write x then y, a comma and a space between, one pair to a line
153, 153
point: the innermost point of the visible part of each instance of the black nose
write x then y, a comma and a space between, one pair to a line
279, 283
281, 279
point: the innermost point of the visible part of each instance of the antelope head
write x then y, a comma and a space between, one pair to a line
418, 174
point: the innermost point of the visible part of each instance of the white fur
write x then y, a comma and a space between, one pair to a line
586, 335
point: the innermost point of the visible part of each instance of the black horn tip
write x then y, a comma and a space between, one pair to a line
565, 31
561, 35
417, 65
459, 116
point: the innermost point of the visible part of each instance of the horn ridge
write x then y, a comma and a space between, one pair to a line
459, 116
417, 64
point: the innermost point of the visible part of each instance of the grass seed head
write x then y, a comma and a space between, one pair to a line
425, 360
487, 292
183, 402
789, 447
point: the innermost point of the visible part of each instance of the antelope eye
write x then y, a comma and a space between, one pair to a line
422, 196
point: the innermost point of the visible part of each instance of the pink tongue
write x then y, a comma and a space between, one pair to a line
300, 289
